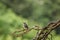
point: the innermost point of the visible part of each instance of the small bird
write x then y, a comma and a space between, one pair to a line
25, 26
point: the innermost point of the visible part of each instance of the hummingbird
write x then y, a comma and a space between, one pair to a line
25, 26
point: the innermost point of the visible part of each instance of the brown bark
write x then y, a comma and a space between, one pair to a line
46, 31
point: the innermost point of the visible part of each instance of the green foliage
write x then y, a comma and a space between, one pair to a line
34, 12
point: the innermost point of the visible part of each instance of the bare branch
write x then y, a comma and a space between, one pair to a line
46, 31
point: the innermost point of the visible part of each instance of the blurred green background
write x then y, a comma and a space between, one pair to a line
13, 13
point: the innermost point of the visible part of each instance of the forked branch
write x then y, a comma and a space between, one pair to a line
42, 34
46, 31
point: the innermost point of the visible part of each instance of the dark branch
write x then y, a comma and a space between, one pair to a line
46, 31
